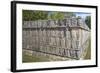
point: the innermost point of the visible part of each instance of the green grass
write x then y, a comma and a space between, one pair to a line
28, 58
88, 54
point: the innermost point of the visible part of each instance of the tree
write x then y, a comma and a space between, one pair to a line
69, 14
29, 15
88, 21
39, 15
56, 15
60, 15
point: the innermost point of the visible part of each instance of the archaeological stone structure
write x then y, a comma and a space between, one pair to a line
67, 38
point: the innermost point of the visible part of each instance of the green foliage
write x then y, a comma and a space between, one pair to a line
27, 15
39, 15
69, 14
34, 15
31, 15
56, 15
88, 21
60, 15
79, 17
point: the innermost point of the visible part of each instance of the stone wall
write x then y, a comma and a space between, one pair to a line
64, 37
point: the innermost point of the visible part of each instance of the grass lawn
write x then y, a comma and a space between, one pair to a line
88, 54
28, 58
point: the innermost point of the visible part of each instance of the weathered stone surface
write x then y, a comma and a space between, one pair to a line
64, 37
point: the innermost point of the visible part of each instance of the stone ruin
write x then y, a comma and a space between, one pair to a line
67, 38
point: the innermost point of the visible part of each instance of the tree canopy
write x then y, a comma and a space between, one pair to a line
88, 21
34, 15
56, 15
31, 15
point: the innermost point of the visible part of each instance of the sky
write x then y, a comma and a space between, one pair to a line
83, 15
